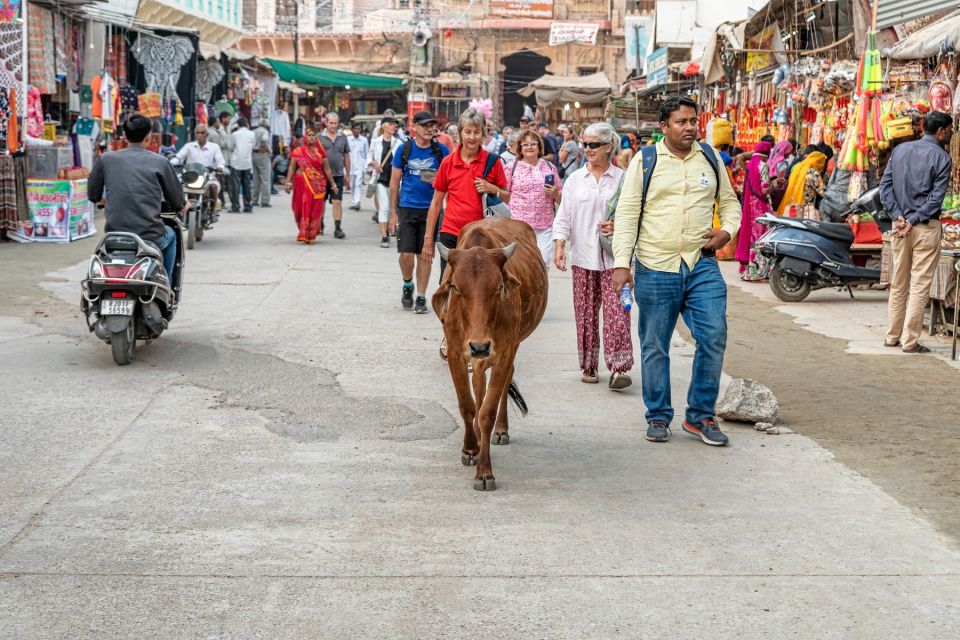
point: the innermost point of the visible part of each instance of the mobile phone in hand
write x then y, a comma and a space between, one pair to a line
548, 180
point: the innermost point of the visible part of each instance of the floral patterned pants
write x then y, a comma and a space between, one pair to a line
592, 290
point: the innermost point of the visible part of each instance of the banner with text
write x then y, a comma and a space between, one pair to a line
521, 8
573, 33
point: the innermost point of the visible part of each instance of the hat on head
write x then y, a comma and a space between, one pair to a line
389, 120
524, 118
423, 117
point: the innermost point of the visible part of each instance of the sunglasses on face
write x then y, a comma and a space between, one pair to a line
595, 145
530, 144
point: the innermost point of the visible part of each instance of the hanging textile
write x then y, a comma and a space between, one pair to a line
34, 113
115, 60
93, 55
40, 49
162, 59
8, 194
149, 105
61, 47
11, 61
209, 75
78, 47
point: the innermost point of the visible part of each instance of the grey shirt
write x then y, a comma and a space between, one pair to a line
916, 180
335, 149
136, 181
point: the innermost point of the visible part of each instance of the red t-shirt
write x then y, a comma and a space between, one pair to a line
464, 204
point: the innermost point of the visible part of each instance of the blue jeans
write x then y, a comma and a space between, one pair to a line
168, 247
700, 296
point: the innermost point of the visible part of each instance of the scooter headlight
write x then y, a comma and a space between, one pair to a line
197, 183
96, 268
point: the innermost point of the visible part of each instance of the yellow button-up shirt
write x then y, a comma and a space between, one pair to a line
679, 211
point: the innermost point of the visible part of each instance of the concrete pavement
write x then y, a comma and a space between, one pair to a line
284, 462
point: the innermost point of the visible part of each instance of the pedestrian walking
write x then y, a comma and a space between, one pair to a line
912, 188
359, 148
415, 166
513, 148
262, 165
309, 177
550, 142
580, 220
281, 163
338, 154
382, 150
241, 164
220, 136
756, 202
463, 177
676, 268
533, 191
571, 154
805, 188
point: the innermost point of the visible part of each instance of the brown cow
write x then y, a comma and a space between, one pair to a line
492, 297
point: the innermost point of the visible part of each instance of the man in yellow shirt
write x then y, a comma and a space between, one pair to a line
676, 268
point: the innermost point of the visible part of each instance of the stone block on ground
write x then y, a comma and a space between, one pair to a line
748, 401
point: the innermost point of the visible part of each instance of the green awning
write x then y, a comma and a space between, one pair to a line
308, 74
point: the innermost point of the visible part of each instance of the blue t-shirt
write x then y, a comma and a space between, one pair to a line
416, 183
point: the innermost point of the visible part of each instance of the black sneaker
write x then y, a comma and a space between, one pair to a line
658, 431
407, 299
339, 234
385, 243
708, 431
421, 305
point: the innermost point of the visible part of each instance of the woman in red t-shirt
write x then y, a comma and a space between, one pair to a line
460, 179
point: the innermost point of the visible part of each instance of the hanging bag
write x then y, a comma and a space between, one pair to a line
492, 205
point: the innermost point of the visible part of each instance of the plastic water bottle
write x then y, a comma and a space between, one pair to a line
626, 300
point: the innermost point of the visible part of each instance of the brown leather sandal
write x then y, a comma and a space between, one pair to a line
590, 376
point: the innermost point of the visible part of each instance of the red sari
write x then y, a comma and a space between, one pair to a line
309, 191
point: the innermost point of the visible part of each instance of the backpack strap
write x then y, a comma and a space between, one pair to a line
436, 150
648, 159
714, 164
489, 166
405, 154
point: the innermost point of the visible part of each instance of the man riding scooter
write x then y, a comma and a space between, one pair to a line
203, 152
137, 181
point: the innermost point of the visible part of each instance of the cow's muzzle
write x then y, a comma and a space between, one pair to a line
480, 349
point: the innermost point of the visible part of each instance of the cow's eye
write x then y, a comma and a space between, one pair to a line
453, 288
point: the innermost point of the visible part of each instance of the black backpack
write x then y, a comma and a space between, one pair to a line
407, 148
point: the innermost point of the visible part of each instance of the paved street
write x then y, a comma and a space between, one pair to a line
285, 463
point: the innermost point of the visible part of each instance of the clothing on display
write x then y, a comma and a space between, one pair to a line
40, 50
209, 74
162, 59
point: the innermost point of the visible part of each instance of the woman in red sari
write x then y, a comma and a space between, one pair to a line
309, 176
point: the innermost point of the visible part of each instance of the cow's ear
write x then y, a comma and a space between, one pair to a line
510, 280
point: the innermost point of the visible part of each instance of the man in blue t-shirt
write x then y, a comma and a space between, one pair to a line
415, 165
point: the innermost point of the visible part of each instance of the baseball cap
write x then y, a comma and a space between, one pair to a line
423, 117
524, 118
389, 120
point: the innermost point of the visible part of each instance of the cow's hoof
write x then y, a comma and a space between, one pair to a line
468, 459
501, 438
485, 484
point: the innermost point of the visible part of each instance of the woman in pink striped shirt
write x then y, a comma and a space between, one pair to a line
534, 189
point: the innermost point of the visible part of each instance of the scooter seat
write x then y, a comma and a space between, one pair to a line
830, 230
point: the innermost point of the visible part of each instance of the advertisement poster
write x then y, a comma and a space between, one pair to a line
573, 33
637, 32
769, 38
81, 211
521, 8
59, 212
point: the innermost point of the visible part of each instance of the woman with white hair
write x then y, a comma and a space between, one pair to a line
580, 221
463, 177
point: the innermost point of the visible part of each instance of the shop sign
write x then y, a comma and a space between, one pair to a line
573, 33
637, 32
657, 68
454, 91
521, 8
769, 38
59, 212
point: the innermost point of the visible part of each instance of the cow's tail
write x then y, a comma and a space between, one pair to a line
513, 391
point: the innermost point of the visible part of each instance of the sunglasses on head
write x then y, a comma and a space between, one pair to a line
595, 145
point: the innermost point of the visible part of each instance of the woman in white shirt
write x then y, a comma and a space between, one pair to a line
576, 237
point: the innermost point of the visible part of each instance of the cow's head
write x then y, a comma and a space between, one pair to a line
477, 286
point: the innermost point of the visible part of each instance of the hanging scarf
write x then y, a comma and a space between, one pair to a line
798, 178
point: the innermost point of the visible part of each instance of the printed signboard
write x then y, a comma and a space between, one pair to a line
637, 33
521, 8
657, 68
573, 32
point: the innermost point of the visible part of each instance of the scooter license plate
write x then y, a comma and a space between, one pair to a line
116, 307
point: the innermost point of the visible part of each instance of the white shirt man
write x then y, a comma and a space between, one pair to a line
241, 146
359, 149
280, 123
202, 152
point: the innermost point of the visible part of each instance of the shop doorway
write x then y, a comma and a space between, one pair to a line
520, 69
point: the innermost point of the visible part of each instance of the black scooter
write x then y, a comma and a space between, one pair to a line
807, 254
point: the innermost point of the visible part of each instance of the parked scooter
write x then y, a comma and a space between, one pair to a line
808, 255
203, 213
127, 294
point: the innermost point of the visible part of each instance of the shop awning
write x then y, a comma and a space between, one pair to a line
928, 42
320, 76
591, 89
